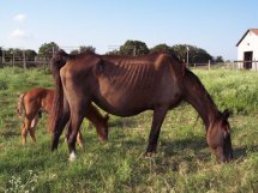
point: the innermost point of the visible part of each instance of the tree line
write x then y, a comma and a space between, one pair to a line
129, 48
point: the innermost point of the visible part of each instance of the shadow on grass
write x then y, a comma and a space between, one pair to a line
241, 152
194, 143
123, 123
9, 134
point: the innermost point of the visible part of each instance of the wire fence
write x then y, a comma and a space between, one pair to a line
235, 65
41, 61
214, 65
45, 64
29, 58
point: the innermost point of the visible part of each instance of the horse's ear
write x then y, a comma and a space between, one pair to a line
226, 114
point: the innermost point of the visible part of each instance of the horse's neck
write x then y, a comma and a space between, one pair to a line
199, 98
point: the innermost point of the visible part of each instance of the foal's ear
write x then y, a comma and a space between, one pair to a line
226, 114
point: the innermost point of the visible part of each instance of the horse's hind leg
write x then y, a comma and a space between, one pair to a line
79, 137
157, 120
74, 125
32, 129
23, 133
62, 121
25, 129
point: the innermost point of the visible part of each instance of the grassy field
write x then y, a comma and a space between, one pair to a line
183, 162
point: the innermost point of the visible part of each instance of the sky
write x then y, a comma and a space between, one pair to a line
215, 26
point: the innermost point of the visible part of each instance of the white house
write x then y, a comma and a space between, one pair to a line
247, 50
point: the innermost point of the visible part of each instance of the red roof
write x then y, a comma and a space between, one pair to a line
254, 30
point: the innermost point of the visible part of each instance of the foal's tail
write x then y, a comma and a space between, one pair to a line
59, 114
20, 105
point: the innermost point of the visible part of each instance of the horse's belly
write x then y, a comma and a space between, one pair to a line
122, 105
127, 102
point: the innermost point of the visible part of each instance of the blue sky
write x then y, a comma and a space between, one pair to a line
213, 25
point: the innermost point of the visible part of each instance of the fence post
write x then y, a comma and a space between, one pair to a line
13, 58
209, 64
3, 57
24, 60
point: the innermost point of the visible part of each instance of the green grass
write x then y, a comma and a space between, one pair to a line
183, 162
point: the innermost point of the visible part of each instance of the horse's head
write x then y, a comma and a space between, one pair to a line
218, 138
103, 128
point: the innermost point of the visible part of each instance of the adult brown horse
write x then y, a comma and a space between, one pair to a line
38, 100
126, 86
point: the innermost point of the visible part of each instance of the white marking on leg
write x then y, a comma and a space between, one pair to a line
72, 156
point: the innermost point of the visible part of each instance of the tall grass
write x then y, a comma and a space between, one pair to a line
183, 162
236, 90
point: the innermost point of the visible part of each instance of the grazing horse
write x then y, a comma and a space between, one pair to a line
38, 100
126, 86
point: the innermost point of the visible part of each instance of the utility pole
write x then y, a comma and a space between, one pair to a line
187, 56
134, 51
53, 51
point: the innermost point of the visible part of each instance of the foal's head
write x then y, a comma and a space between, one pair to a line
218, 138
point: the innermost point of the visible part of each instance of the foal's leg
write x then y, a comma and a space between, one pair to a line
32, 129
23, 133
157, 120
25, 129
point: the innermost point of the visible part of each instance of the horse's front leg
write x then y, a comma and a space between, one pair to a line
157, 120
79, 139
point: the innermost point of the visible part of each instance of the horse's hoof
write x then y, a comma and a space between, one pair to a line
72, 157
150, 154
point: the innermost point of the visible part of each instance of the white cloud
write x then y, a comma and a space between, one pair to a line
19, 34
20, 17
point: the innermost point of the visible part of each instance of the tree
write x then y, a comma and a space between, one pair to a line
1, 55
162, 48
199, 55
133, 48
30, 55
86, 49
13, 54
196, 55
113, 52
83, 49
219, 59
47, 49
180, 51
75, 52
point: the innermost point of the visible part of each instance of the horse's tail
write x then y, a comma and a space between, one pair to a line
59, 113
20, 105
